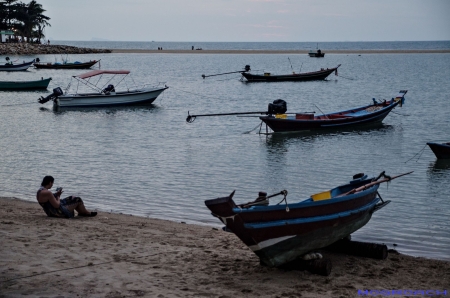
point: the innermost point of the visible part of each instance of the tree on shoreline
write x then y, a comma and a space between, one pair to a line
26, 20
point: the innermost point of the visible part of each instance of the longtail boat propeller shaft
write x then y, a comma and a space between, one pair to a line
246, 68
191, 118
278, 106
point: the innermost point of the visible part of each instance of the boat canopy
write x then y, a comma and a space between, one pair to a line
100, 72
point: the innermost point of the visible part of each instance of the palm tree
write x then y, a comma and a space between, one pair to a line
40, 20
27, 20
10, 7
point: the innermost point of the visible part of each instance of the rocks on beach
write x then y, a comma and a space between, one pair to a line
33, 49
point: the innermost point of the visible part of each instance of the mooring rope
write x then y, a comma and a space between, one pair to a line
126, 259
421, 151
247, 132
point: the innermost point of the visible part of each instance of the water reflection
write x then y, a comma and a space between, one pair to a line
280, 140
106, 110
439, 167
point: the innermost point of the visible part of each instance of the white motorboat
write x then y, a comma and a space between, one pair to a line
104, 96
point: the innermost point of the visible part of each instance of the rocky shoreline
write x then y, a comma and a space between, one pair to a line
33, 49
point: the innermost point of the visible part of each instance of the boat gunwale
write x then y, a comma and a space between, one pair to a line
304, 220
307, 203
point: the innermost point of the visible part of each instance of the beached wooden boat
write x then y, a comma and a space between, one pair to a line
282, 232
10, 66
25, 85
356, 117
441, 150
104, 96
321, 74
65, 65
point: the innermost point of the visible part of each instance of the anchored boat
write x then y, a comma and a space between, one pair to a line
279, 121
321, 74
441, 150
355, 117
10, 66
103, 96
25, 85
65, 64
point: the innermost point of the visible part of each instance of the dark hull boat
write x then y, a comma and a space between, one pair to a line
441, 150
281, 233
15, 67
356, 117
25, 85
316, 54
67, 65
306, 76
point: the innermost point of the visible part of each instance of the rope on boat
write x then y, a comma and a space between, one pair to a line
421, 151
285, 193
247, 132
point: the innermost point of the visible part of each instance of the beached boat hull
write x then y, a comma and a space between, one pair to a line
84, 65
441, 150
366, 115
25, 85
307, 76
278, 234
16, 67
132, 97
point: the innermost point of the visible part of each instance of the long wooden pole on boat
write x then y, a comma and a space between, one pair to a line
361, 188
191, 118
246, 68
219, 74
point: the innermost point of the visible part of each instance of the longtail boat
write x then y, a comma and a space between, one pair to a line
321, 74
279, 121
441, 150
25, 85
65, 64
280, 233
10, 66
316, 54
355, 117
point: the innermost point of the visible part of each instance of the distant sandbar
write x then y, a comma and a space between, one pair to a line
142, 51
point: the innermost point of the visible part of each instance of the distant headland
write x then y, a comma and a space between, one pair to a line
23, 48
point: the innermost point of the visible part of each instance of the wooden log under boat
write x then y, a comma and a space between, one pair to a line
360, 249
317, 266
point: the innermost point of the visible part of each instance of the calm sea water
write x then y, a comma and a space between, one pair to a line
148, 161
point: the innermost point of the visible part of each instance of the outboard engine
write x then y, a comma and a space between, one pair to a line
247, 68
109, 88
56, 92
278, 106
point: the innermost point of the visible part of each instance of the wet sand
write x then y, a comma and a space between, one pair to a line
118, 255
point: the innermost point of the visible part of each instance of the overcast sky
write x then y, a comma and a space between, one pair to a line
248, 20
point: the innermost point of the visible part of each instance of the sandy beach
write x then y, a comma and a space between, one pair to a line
359, 52
118, 255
